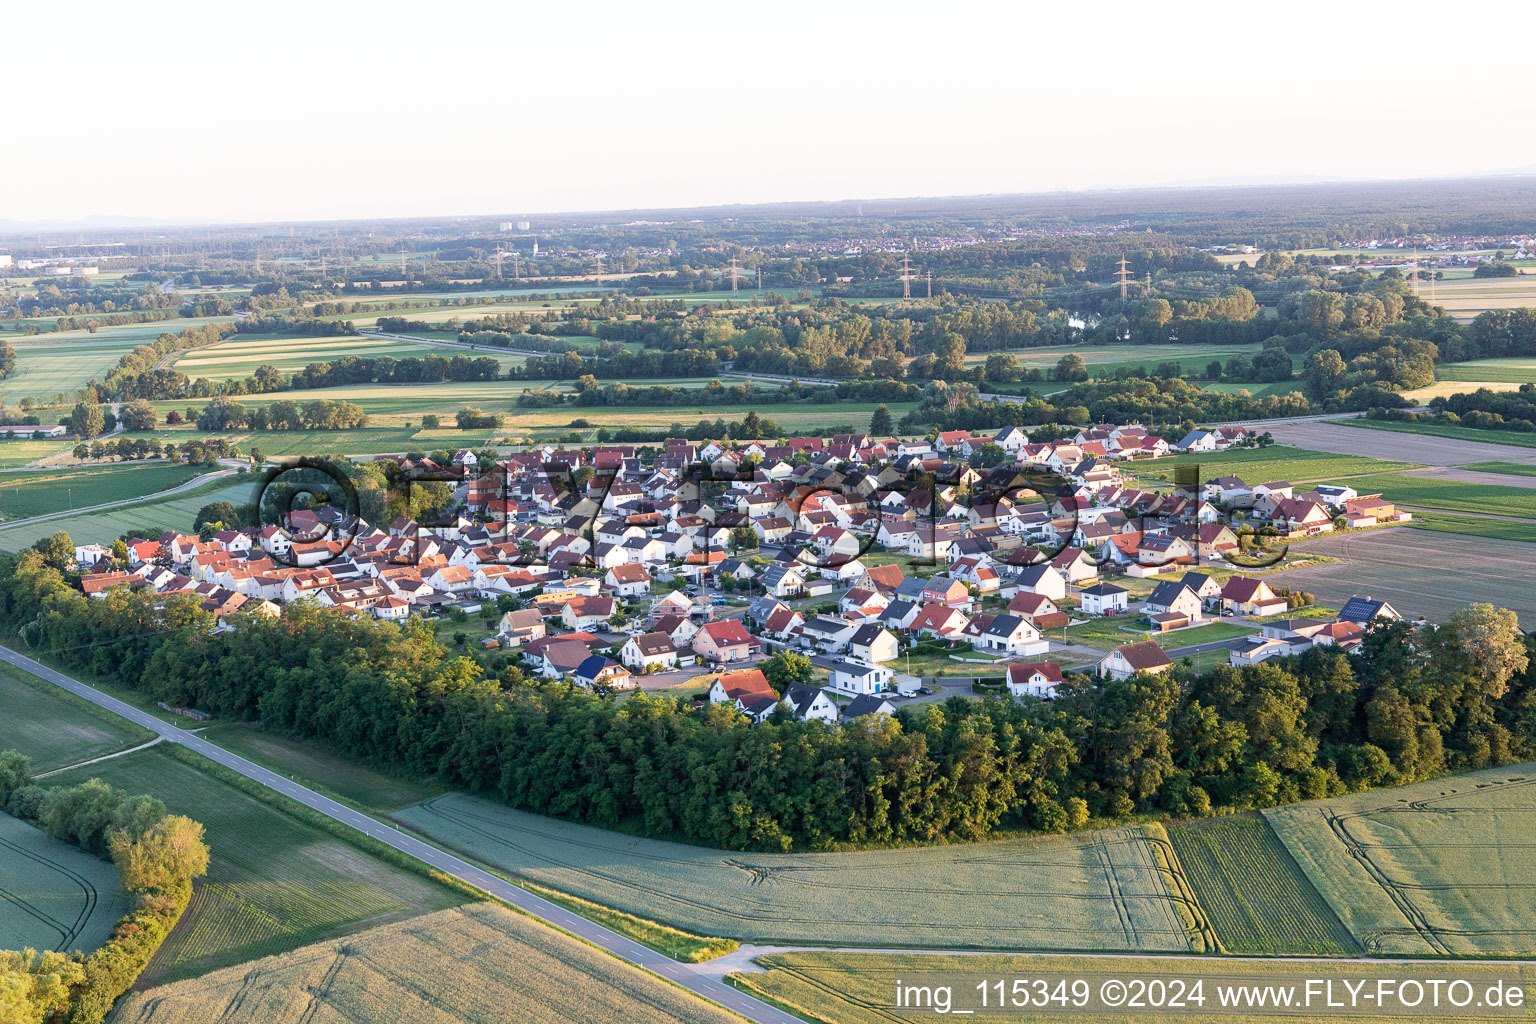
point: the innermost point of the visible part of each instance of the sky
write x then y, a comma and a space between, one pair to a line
318, 110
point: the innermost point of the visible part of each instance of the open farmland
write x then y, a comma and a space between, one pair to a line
48, 364
542, 424
399, 404
1420, 572
859, 987
1440, 867
1424, 444
241, 354
1466, 297
1097, 891
1192, 359
1451, 495
481, 964
1262, 465
54, 895
15, 454
23, 495
274, 883
1513, 370
149, 517
55, 730
1257, 898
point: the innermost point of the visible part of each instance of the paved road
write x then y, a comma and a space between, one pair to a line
701, 979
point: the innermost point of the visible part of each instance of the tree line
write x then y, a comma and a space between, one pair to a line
157, 856
1414, 702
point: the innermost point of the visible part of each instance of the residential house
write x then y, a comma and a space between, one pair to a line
518, 627
1245, 595
587, 613
1039, 609
1365, 611
1034, 679
873, 643
1012, 635
810, 703
724, 641
855, 677
628, 580
1128, 659
1104, 599
866, 704
649, 652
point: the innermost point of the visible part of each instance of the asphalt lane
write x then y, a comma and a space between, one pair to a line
700, 979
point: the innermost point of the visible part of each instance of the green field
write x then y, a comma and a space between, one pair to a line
1459, 433
1441, 867
1450, 495
50, 363
275, 882
481, 964
241, 354
1519, 370
22, 453
23, 495
316, 766
1506, 468
1257, 898
1263, 465
146, 518
398, 404
55, 729
1095, 891
859, 988
1192, 359
1477, 526
54, 895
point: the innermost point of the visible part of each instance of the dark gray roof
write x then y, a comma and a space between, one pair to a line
866, 704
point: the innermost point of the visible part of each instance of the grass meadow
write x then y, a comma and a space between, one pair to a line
1443, 867
241, 354
481, 964
1102, 891
54, 895
55, 729
275, 882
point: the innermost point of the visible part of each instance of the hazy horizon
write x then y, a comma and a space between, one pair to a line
208, 115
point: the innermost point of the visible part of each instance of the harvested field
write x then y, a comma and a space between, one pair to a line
1420, 572
481, 964
1424, 444
1442, 867
54, 731
1256, 896
274, 883
53, 895
1101, 891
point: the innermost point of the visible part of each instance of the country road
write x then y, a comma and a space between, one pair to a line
701, 979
